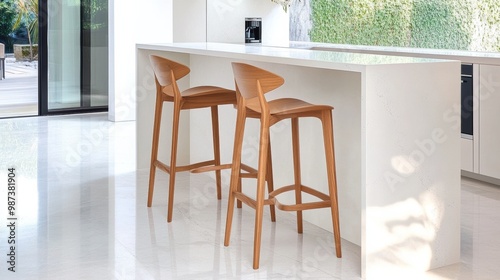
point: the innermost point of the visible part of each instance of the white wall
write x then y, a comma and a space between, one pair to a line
223, 21
189, 21
132, 22
226, 21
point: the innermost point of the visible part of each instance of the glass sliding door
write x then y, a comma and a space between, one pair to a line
77, 56
64, 47
95, 36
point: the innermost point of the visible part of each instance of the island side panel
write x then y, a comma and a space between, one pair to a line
340, 89
411, 171
145, 100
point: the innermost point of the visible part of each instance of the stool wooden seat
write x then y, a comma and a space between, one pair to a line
167, 72
251, 85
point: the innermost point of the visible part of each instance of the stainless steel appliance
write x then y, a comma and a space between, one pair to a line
253, 30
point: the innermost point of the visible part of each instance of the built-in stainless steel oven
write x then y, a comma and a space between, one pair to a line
467, 101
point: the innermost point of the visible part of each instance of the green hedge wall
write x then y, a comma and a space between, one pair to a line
439, 24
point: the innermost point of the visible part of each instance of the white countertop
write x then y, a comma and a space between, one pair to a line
346, 61
492, 58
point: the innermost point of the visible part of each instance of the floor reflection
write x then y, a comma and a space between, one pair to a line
82, 215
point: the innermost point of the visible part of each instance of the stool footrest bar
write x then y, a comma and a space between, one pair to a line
209, 164
211, 168
251, 202
302, 206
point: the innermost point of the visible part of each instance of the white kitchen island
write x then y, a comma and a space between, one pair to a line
396, 139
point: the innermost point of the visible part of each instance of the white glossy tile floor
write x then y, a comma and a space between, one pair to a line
81, 209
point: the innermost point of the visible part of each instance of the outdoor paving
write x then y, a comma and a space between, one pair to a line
19, 89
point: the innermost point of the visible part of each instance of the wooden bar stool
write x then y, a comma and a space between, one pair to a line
251, 85
167, 73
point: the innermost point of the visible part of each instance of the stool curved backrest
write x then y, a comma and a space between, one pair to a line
252, 83
167, 72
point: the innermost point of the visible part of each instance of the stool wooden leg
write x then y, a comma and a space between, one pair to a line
235, 183
239, 204
296, 170
216, 142
261, 180
332, 179
154, 148
269, 179
173, 159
